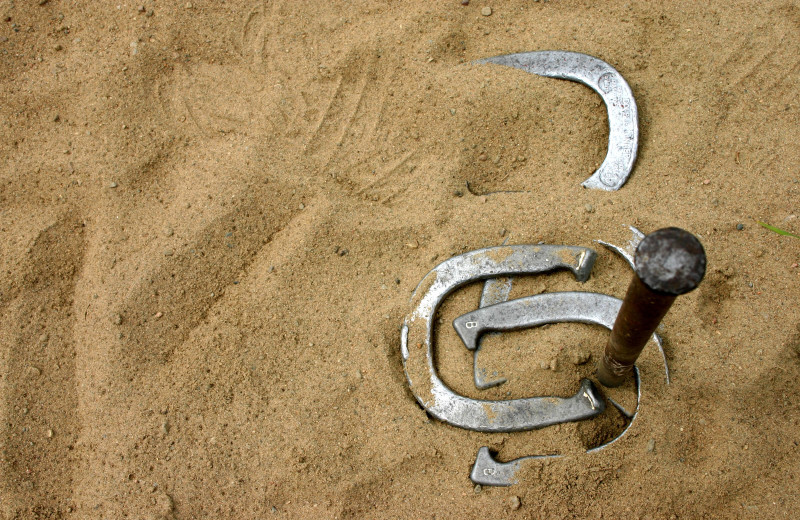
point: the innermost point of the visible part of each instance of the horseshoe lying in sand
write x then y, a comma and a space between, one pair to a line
417, 342
497, 290
599, 309
623, 120
532, 311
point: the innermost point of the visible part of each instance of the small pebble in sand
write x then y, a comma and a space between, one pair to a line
739, 227
486, 11
32, 372
477, 488
554, 365
113, 185
464, 2
580, 357
158, 314
514, 502
651, 445
168, 232
50, 434
117, 319
544, 365
169, 252
458, 193
589, 208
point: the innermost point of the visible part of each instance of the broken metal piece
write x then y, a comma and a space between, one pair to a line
668, 263
628, 251
417, 341
623, 119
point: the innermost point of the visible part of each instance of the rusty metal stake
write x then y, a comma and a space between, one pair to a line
668, 262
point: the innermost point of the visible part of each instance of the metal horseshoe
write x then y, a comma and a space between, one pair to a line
623, 120
497, 290
538, 310
532, 311
417, 341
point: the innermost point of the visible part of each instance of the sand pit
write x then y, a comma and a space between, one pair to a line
213, 215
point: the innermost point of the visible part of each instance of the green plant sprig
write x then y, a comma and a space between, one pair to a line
777, 230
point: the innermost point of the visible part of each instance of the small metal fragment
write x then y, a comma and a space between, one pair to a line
628, 251
487, 471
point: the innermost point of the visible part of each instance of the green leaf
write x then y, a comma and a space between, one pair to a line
777, 230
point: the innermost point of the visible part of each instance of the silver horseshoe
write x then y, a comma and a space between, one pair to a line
497, 290
532, 311
594, 308
623, 119
416, 341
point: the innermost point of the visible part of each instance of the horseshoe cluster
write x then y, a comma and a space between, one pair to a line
498, 265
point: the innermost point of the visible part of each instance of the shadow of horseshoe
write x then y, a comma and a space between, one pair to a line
623, 119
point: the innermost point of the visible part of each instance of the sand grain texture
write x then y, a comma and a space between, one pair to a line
213, 215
